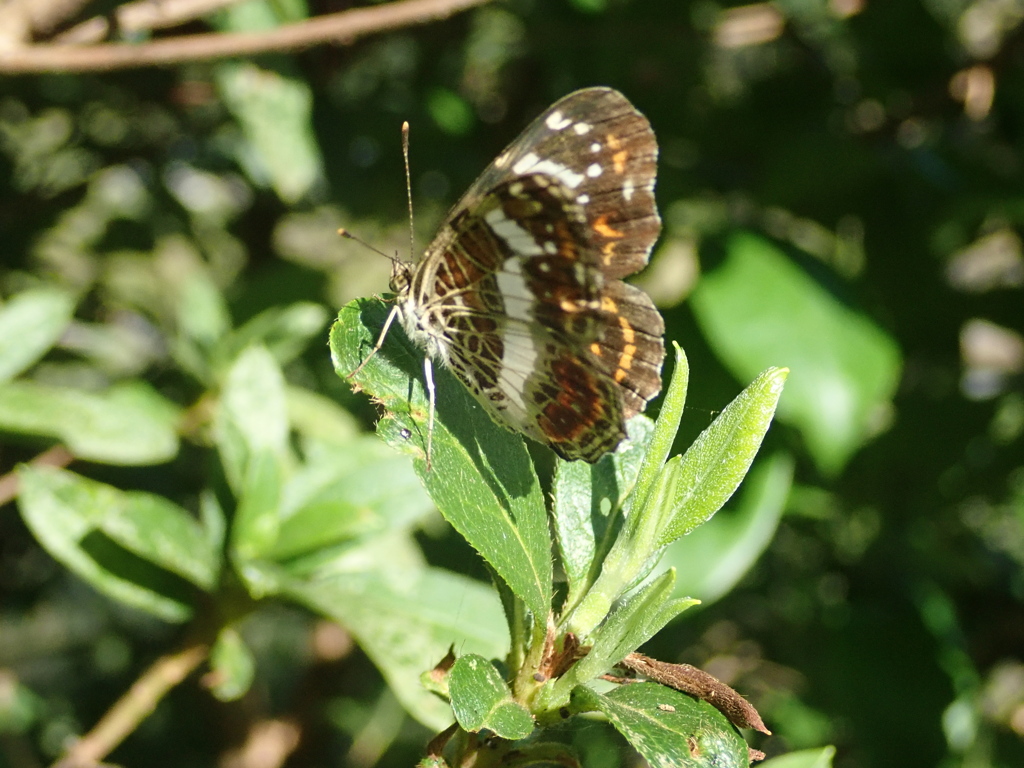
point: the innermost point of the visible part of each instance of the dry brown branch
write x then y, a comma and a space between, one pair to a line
697, 682
20, 19
132, 708
141, 16
338, 28
87, 33
161, 14
268, 744
57, 456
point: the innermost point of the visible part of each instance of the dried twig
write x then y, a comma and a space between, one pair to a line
337, 28
141, 16
21, 19
132, 708
57, 456
697, 682
268, 744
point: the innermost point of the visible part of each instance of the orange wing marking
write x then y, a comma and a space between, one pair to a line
628, 350
603, 228
620, 156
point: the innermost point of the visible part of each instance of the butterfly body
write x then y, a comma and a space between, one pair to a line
520, 292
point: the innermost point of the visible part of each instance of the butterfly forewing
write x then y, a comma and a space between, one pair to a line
597, 144
520, 293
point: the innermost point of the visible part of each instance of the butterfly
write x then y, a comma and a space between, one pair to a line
520, 293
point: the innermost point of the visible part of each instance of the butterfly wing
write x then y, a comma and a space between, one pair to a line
521, 288
601, 148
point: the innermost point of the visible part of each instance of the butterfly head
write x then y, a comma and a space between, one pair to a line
401, 277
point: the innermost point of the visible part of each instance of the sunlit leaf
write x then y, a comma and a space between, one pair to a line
257, 519
284, 331
135, 547
252, 415
758, 309
273, 104
712, 559
31, 322
128, 424
714, 466
346, 491
233, 666
482, 699
806, 758
482, 479
407, 627
632, 622
274, 109
668, 728
588, 499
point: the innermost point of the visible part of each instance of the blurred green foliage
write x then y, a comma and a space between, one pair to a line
841, 187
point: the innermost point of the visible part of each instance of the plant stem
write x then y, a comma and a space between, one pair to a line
132, 708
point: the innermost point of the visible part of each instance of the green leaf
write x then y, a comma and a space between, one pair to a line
631, 623
21, 708
640, 541
134, 547
202, 318
665, 428
252, 415
588, 499
213, 519
668, 728
759, 309
201, 312
407, 625
711, 560
129, 424
284, 331
346, 491
482, 699
31, 322
806, 758
274, 108
482, 479
257, 519
317, 417
233, 666
718, 460
259, 15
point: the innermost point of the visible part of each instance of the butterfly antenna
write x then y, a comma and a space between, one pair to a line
349, 236
408, 189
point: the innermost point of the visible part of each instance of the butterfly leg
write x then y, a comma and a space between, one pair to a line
380, 341
428, 375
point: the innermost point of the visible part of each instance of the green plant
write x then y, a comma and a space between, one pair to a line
306, 509
298, 505
610, 522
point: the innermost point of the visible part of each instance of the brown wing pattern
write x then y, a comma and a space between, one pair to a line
522, 285
619, 203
